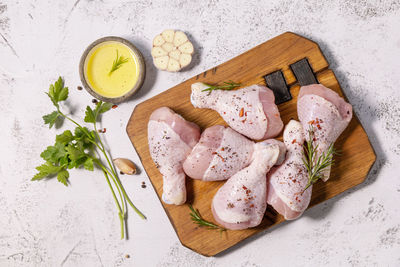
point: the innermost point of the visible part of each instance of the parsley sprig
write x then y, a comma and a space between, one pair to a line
226, 86
195, 216
80, 148
117, 63
316, 165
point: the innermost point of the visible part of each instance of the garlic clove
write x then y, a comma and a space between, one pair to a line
125, 165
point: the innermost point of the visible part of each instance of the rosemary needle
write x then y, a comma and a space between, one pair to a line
117, 63
315, 166
197, 219
226, 86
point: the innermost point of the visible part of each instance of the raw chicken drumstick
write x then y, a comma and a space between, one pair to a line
287, 182
241, 202
171, 138
326, 113
220, 153
250, 111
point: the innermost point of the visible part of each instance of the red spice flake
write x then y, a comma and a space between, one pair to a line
293, 141
311, 122
224, 112
243, 121
246, 113
224, 170
214, 153
241, 112
252, 206
223, 160
244, 188
114, 106
213, 167
319, 127
222, 148
102, 131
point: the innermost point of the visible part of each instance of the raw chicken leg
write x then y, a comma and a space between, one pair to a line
326, 113
287, 182
250, 111
241, 202
171, 138
220, 153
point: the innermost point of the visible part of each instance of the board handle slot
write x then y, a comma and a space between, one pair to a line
277, 83
303, 72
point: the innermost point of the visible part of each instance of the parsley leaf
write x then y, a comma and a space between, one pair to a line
90, 117
88, 164
57, 92
102, 107
46, 169
74, 153
51, 118
54, 153
62, 177
65, 137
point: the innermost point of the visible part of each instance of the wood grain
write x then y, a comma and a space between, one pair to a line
249, 68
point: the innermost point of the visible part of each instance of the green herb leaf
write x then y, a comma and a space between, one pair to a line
103, 107
45, 170
62, 177
88, 164
117, 63
54, 153
74, 153
57, 92
226, 86
197, 219
90, 116
65, 137
51, 118
316, 165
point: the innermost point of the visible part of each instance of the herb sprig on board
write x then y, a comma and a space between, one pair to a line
81, 147
316, 165
117, 63
226, 86
195, 216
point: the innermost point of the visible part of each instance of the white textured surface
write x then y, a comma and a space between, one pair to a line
46, 224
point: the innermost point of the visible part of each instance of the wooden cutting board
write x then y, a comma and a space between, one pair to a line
249, 68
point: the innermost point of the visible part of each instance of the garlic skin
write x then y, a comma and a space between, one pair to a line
126, 166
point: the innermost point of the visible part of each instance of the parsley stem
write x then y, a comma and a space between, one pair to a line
117, 178
117, 203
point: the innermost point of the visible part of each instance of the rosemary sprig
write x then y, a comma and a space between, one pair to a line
315, 166
117, 63
226, 86
197, 219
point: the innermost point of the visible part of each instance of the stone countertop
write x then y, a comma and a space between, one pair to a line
46, 224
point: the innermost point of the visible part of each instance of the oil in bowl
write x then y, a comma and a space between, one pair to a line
112, 69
